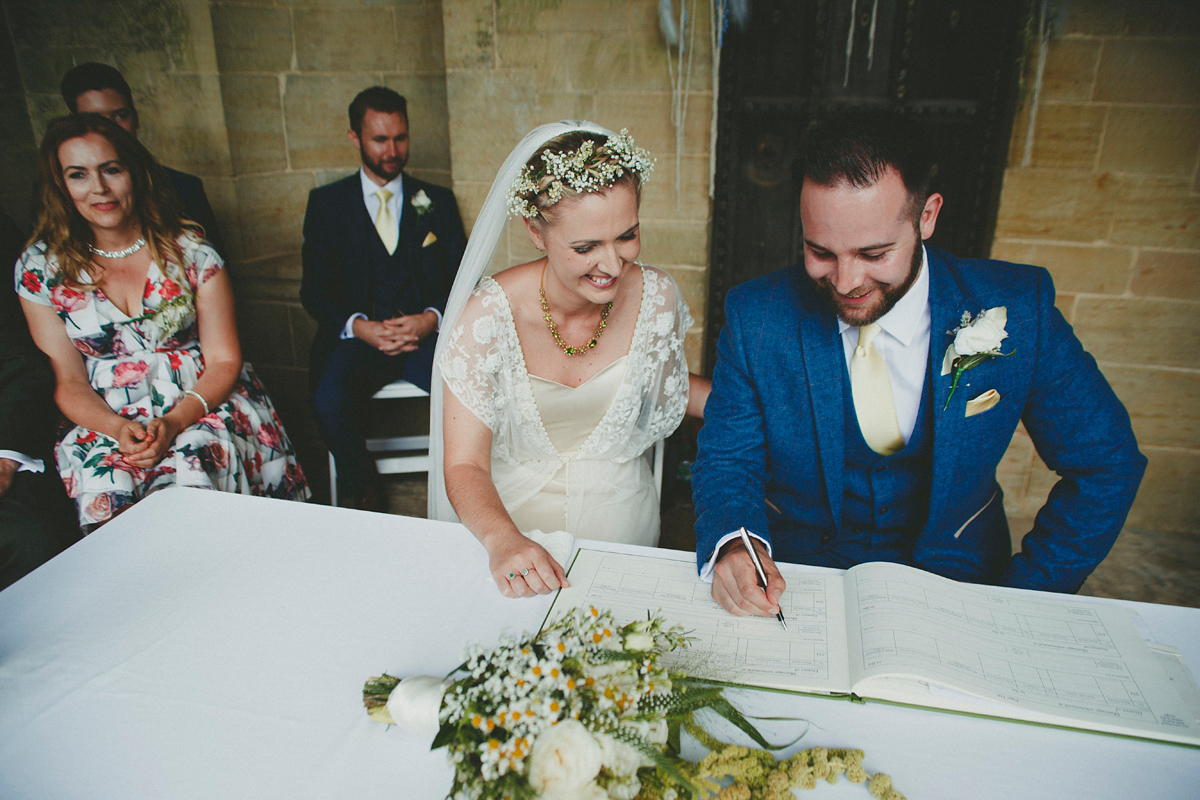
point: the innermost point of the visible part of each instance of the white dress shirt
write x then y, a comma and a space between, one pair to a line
24, 462
904, 344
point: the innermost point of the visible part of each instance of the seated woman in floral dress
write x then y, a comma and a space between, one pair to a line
136, 314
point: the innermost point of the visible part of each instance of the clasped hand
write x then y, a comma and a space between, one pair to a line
144, 445
396, 335
735, 581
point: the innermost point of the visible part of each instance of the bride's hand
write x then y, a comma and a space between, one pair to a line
522, 568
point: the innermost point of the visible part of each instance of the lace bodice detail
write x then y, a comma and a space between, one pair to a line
482, 364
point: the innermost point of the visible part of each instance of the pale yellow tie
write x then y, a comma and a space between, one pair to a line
385, 223
872, 390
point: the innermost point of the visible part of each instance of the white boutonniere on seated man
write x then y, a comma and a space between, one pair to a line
422, 203
976, 340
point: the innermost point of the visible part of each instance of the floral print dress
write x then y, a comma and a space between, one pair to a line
142, 366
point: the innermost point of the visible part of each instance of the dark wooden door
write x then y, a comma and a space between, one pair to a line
953, 63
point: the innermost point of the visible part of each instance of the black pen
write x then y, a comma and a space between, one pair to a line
762, 576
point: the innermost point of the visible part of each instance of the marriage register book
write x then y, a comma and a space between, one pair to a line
898, 634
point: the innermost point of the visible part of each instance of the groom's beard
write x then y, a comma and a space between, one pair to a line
889, 293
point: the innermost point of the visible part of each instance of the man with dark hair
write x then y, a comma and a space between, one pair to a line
862, 400
381, 249
101, 89
36, 518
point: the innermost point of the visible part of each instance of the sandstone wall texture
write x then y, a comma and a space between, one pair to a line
513, 65
1109, 201
252, 95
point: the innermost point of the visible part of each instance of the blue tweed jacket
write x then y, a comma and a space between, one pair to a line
772, 443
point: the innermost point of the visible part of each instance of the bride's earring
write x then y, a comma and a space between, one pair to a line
535, 236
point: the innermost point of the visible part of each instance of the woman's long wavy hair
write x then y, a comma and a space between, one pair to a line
67, 234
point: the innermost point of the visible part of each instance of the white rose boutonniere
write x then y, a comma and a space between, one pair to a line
422, 203
976, 340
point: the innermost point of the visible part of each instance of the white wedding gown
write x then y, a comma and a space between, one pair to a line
573, 459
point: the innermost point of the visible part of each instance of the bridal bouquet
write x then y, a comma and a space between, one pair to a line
584, 711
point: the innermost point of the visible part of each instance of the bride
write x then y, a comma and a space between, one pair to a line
563, 371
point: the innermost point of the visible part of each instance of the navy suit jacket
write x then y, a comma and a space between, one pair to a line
193, 204
28, 415
341, 247
774, 429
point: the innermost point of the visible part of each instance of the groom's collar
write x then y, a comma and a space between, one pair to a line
911, 312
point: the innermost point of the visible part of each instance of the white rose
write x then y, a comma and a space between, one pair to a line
656, 732
604, 670
653, 731
588, 792
626, 789
565, 759
984, 334
415, 702
638, 642
619, 758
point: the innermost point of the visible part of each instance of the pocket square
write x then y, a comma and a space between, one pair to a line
429, 239
982, 403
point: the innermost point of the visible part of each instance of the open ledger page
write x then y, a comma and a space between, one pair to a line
810, 656
1046, 658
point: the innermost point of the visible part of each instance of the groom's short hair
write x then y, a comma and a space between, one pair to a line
859, 148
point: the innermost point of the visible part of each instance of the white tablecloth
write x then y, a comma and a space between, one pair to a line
208, 645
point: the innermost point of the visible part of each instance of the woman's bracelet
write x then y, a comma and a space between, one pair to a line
199, 397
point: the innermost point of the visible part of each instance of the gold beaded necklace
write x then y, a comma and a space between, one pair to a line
566, 348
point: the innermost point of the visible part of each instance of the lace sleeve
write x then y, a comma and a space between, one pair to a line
662, 365
672, 321
472, 362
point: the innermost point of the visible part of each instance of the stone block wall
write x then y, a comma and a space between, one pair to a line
252, 97
514, 64
1109, 201
287, 72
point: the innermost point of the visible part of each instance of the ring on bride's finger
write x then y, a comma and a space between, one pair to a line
524, 572
512, 575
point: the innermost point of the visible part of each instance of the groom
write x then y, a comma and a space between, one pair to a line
834, 434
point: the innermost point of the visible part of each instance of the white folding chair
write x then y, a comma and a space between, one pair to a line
403, 455
398, 454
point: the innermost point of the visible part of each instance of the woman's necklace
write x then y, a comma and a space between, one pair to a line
566, 348
128, 251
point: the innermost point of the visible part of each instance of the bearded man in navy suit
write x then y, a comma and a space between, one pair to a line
381, 249
862, 400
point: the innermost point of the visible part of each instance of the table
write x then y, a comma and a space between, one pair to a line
208, 645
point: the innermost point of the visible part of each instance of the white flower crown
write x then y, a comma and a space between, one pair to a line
580, 170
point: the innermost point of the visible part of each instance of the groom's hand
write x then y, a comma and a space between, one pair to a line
735, 581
